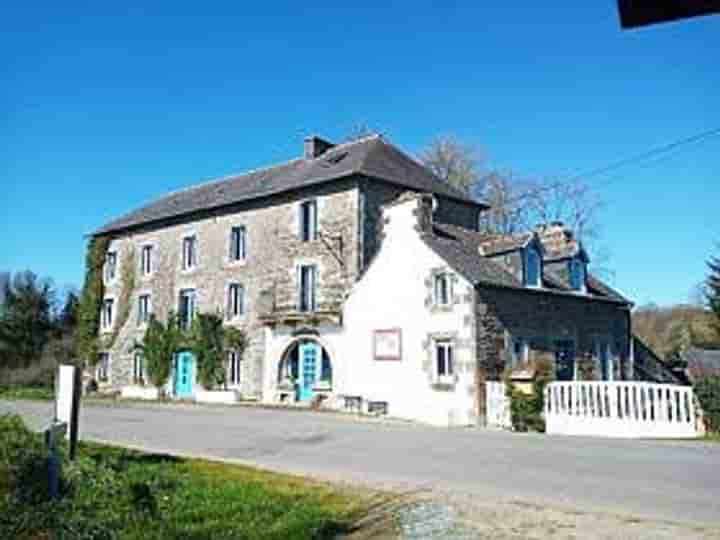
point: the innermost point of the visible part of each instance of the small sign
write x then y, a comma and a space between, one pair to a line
387, 344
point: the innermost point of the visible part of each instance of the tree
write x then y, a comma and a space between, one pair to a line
454, 162
713, 291
160, 343
66, 320
26, 322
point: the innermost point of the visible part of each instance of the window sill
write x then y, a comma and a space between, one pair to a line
234, 263
445, 383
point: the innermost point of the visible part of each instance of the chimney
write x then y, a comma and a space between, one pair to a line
315, 146
555, 235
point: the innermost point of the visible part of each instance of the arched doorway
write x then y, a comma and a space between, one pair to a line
307, 366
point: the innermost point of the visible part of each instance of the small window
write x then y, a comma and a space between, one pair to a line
233, 368
533, 268
146, 260
144, 308
442, 289
139, 369
187, 307
236, 300
308, 221
107, 313
102, 370
110, 266
238, 243
520, 350
308, 286
444, 362
189, 256
576, 269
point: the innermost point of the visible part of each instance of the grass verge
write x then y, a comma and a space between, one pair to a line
115, 493
27, 392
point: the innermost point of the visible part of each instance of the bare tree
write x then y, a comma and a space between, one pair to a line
454, 162
505, 193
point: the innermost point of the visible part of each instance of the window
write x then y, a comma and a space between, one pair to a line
308, 285
233, 368
236, 300
308, 221
238, 243
520, 350
107, 313
187, 307
576, 269
139, 369
144, 308
189, 255
110, 266
444, 367
532, 268
605, 361
102, 371
442, 289
146, 260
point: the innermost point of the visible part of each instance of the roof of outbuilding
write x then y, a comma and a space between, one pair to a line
459, 247
371, 156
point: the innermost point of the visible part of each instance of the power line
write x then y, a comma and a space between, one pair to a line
626, 161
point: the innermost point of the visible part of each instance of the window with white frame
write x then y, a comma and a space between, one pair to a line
444, 360
519, 353
102, 370
139, 368
308, 220
187, 307
442, 289
236, 300
307, 282
577, 271
106, 318
238, 243
189, 253
233, 368
110, 266
144, 309
146, 260
532, 267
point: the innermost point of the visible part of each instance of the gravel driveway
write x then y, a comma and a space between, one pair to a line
663, 481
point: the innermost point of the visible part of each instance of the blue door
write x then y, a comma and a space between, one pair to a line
309, 353
184, 374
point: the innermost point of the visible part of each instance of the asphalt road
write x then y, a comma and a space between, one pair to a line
666, 480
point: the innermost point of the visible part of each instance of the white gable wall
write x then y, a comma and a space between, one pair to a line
394, 293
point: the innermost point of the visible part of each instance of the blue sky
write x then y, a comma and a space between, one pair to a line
103, 108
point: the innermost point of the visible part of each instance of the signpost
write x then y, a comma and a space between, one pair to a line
67, 402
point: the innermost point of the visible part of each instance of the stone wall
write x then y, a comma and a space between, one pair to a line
269, 271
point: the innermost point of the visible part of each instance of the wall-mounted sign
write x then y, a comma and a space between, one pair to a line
387, 344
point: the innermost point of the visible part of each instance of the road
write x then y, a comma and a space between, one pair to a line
667, 480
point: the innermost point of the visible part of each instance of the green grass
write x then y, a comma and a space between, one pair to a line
712, 437
27, 392
114, 493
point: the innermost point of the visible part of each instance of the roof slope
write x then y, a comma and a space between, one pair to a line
370, 156
461, 250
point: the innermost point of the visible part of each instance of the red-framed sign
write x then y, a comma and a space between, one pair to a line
387, 344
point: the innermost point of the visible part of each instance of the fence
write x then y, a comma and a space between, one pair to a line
620, 409
497, 405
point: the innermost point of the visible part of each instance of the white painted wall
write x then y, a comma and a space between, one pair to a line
392, 294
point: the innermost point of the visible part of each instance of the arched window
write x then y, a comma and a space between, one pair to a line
576, 269
533, 270
292, 366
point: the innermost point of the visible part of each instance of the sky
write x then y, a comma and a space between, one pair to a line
104, 108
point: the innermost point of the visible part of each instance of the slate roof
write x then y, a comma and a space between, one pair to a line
371, 156
459, 248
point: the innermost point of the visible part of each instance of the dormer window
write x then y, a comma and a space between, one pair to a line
533, 270
578, 274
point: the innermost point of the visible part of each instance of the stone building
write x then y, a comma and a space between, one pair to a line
360, 279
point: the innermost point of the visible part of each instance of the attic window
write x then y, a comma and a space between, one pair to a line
334, 160
578, 274
532, 267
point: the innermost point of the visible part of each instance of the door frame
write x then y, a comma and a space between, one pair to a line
189, 357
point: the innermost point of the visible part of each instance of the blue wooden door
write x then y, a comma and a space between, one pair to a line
184, 374
309, 353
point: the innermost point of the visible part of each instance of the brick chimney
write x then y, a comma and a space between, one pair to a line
315, 146
555, 236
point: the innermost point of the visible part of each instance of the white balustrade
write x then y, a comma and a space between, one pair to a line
620, 409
